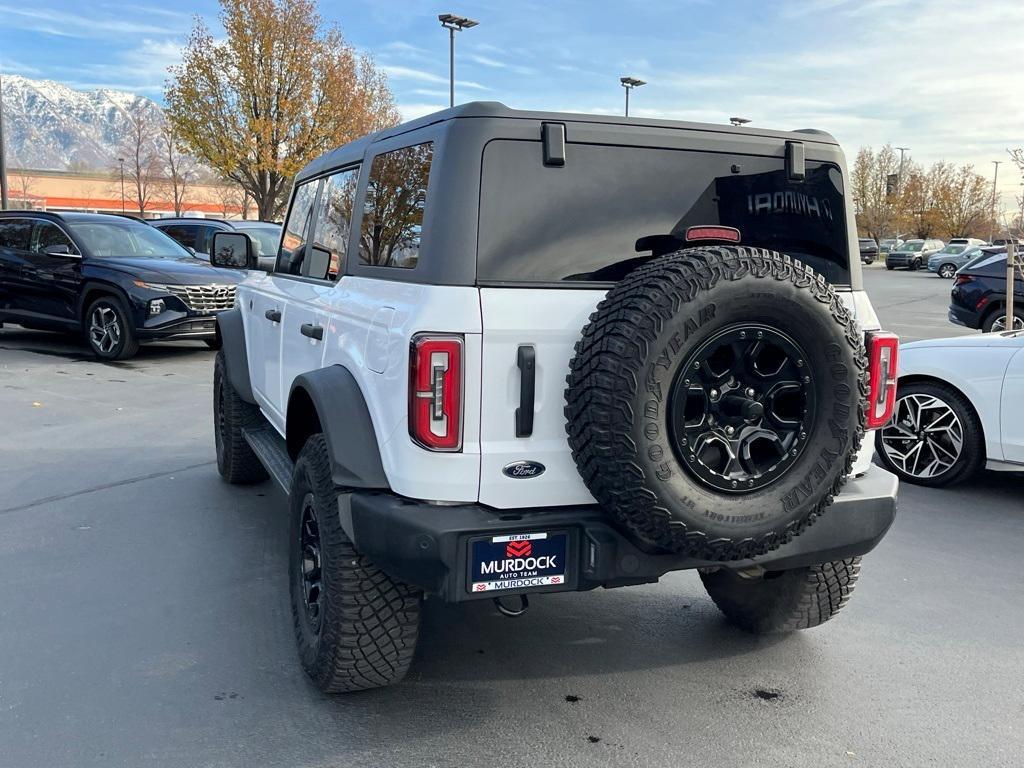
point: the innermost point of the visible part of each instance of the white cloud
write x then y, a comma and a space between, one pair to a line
421, 76
64, 24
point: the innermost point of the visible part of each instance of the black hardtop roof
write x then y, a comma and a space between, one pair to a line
354, 150
249, 223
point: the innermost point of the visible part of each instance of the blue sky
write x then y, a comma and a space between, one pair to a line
944, 77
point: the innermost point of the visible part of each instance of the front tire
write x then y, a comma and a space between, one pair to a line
236, 461
947, 271
783, 601
356, 628
109, 330
935, 438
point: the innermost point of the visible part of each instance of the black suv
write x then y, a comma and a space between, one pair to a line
118, 280
868, 250
197, 234
978, 299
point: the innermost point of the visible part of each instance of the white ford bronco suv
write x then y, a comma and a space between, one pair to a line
506, 353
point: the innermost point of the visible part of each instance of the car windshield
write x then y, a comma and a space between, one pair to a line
952, 250
912, 246
126, 238
266, 238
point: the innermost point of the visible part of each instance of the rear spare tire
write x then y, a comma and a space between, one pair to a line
715, 401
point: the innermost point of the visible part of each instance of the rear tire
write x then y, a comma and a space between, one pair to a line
995, 322
356, 628
236, 461
947, 271
890, 267
783, 601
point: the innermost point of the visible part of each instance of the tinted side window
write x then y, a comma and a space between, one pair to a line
333, 225
183, 233
391, 230
14, 233
296, 230
47, 235
610, 208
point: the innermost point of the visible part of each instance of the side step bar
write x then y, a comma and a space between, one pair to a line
270, 449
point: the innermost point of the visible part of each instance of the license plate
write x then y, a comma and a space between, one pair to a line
517, 561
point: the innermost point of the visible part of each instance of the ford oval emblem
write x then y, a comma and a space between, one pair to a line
523, 469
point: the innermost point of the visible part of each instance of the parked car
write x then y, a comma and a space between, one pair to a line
868, 250
117, 280
1005, 241
889, 244
978, 298
195, 233
966, 241
402, 375
912, 254
947, 261
959, 407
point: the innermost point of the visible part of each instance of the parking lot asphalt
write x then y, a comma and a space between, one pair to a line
144, 616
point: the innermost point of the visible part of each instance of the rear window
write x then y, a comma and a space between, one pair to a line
392, 227
610, 208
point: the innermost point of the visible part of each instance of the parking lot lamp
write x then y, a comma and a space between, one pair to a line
629, 83
995, 179
453, 24
3, 155
121, 161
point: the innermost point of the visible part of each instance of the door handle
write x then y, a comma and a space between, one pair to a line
527, 362
313, 331
273, 315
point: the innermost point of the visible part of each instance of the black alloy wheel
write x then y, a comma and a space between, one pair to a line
742, 406
311, 565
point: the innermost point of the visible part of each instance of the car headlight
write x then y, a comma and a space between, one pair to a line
153, 286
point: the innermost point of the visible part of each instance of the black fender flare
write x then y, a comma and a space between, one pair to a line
231, 331
346, 424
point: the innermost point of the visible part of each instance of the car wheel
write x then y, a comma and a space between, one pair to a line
890, 267
996, 322
213, 343
947, 271
355, 626
783, 601
935, 437
914, 265
109, 330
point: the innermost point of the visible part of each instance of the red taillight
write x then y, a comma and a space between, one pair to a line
729, 234
435, 392
883, 357
961, 279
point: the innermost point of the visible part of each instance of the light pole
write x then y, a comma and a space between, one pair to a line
453, 24
738, 121
3, 155
121, 161
899, 183
995, 179
629, 83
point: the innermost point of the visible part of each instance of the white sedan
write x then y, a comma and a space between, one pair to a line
959, 407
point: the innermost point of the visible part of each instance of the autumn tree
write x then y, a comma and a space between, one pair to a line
139, 150
961, 200
180, 169
873, 191
279, 89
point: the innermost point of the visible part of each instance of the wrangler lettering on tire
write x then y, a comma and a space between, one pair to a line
715, 402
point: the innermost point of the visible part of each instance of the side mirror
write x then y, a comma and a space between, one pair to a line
233, 250
59, 249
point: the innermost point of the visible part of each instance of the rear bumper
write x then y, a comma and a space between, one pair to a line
963, 316
427, 545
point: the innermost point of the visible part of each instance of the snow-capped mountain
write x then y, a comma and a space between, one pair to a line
48, 125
